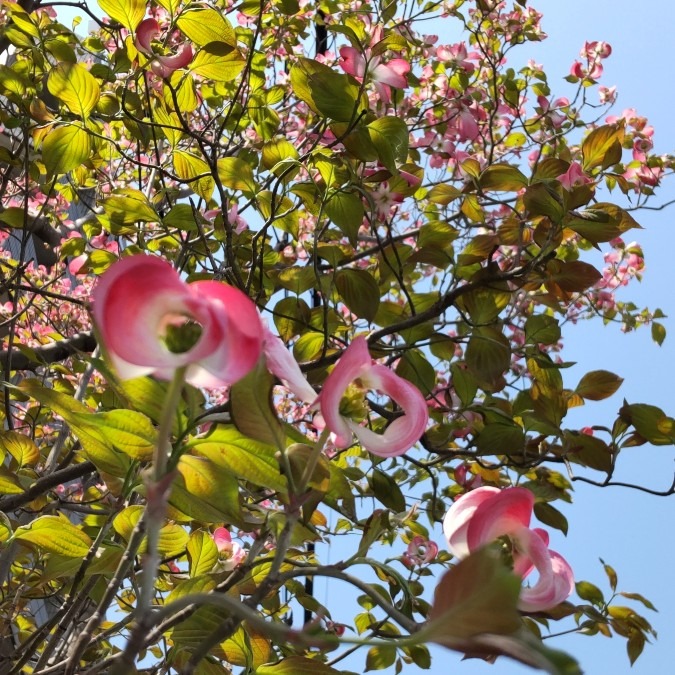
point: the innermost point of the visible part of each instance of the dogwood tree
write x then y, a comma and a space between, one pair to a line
278, 274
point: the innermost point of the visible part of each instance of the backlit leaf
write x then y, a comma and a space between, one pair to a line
21, 447
202, 553
598, 385
127, 12
219, 62
73, 84
196, 172
55, 534
359, 291
65, 148
203, 26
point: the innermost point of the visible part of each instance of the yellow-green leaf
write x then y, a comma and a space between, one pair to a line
172, 537
73, 84
202, 553
55, 534
194, 169
359, 291
602, 147
65, 148
236, 174
598, 385
204, 26
22, 448
219, 62
297, 665
127, 12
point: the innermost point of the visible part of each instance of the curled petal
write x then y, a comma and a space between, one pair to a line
146, 31
139, 297
556, 579
392, 73
402, 433
164, 66
281, 363
222, 539
501, 515
353, 62
458, 518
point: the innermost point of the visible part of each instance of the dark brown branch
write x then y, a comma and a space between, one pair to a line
608, 483
51, 353
12, 502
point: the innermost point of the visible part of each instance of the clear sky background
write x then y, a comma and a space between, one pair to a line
631, 530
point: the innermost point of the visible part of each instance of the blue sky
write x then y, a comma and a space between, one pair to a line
630, 530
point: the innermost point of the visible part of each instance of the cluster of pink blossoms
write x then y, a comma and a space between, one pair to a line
593, 52
140, 301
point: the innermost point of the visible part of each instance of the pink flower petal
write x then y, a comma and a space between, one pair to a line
556, 579
222, 539
164, 66
146, 31
281, 363
392, 73
458, 518
402, 433
353, 62
139, 296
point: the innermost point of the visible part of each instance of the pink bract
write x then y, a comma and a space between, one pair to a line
357, 364
162, 66
138, 297
481, 516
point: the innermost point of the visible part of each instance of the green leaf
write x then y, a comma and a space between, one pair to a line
205, 491
236, 174
650, 422
202, 553
590, 592
359, 291
128, 431
252, 408
5, 528
500, 438
196, 172
386, 491
443, 194
488, 354
9, 482
23, 449
390, 135
602, 147
346, 210
542, 329
297, 665
219, 62
542, 200
502, 178
550, 516
379, 658
55, 534
73, 84
127, 12
326, 92
247, 459
129, 206
172, 537
658, 332
96, 447
598, 385
65, 148
601, 222
204, 26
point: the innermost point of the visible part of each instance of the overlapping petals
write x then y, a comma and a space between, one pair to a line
382, 75
357, 364
230, 553
139, 299
162, 66
483, 515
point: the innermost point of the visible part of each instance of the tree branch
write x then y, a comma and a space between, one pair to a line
56, 351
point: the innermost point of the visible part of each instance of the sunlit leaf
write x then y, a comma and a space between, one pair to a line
203, 26
65, 148
55, 534
127, 12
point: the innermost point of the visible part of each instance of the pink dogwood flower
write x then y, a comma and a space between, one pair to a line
420, 551
140, 303
163, 66
230, 553
481, 516
383, 76
356, 364
573, 177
